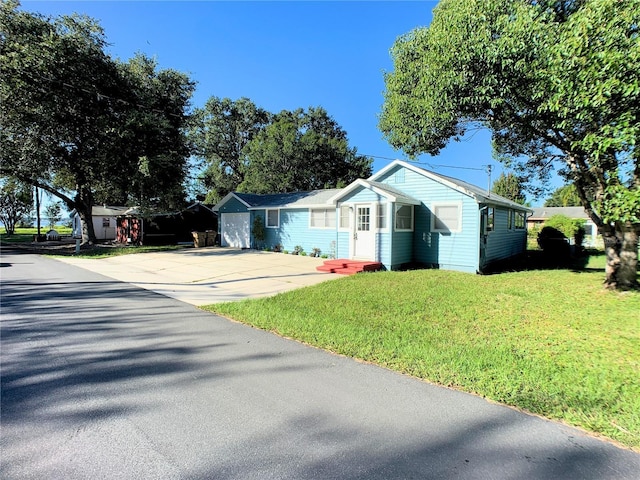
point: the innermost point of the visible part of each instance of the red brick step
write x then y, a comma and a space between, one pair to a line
348, 267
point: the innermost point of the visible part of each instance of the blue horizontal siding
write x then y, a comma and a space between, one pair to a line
293, 230
453, 251
343, 244
503, 242
362, 195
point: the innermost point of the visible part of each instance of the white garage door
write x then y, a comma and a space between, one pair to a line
234, 231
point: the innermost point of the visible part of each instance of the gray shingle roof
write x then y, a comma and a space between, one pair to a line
547, 212
289, 200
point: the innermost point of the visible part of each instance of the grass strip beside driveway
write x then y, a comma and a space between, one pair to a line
553, 342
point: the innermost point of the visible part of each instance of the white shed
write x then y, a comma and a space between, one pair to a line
104, 221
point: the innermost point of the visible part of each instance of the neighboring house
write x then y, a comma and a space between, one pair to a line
165, 228
541, 215
104, 221
401, 215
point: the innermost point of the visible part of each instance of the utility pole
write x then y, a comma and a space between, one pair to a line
489, 179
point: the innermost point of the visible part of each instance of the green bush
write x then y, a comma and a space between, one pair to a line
259, 233
568, 226
554, 244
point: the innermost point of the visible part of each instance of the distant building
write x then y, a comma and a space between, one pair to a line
104, 221
541, 215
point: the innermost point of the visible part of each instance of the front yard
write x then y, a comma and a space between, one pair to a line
551, 342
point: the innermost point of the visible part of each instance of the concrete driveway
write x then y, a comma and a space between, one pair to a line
210, 275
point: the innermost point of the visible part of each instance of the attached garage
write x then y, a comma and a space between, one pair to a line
234, 230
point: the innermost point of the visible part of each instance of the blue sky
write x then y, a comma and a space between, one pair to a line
284, 55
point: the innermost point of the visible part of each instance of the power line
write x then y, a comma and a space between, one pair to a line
433, 166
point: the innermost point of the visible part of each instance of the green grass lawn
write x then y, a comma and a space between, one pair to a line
25, 235
551, 342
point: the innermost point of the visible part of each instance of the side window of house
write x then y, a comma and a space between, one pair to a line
344, 216
510, 219
382, 215
491, 219
520, 220
273, 218
446, 218
404, 217
322, 218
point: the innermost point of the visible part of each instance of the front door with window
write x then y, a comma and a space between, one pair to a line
363, 233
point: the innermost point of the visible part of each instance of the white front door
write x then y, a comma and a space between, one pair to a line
363, 241
234, 230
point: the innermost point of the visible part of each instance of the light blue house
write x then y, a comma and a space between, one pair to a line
401, 215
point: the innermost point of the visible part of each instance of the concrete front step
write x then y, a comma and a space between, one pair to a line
348, 267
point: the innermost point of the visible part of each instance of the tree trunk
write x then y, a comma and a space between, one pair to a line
84, 206
37, 195
621, 249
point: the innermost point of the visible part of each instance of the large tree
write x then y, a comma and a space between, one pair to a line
558, 84
221, 131
302, 150
85, 127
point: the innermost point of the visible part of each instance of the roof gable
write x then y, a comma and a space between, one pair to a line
480, 195
391, 193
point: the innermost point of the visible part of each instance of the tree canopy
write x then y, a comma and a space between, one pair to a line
565, 196
509, 186
221, 131
249, 149
83, 126
302, 150
556, 82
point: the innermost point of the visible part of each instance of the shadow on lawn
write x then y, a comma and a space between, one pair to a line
539, 260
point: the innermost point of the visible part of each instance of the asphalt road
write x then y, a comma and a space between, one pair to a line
101, 379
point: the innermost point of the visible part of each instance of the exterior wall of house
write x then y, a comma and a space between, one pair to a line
447, 250
503, 242
382, 237
104, 227
294, 230
342, 244
235, 234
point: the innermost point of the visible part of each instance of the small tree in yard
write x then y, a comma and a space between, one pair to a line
16, 201
258, 231
558, 85
53, 213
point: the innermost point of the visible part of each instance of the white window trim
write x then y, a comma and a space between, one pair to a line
349, 208
266, 214
325, 227
488, 231
387, 217
395, 217
433, 216
523, 216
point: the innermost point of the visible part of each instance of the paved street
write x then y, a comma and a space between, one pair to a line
106, 380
